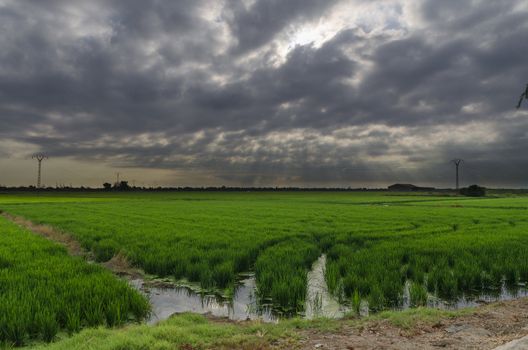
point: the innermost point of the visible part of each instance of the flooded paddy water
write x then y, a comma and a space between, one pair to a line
502, 294
244, 305
319, 301
167, 300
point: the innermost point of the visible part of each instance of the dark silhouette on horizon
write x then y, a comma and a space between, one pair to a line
473, 191
111, 188
409, 188
524, 96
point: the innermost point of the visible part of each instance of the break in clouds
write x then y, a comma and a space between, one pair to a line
266, 92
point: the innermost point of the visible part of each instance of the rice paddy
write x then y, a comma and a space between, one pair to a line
377, 246
44, 291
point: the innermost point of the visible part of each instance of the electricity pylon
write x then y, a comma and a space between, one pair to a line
39, 157
524, 96
457, 164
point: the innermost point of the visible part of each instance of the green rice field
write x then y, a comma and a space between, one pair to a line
376, 244
44, 291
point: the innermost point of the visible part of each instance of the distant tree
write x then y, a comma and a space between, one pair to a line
122, 186
107, 186
473, 191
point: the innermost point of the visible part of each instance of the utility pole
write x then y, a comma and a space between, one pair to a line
457, 164
117, 179
39, 157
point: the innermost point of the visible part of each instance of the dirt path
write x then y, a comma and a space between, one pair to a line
118, 264
489, 327
74, 248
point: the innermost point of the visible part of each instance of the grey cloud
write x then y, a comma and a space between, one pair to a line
257, 24
161, 85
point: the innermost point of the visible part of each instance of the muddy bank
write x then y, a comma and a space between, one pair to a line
487, 327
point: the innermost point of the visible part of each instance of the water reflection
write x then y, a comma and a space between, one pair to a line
244, 305
319, 301
469, 300
168, 301
504, 293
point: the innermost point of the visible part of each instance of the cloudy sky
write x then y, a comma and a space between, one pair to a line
264, 92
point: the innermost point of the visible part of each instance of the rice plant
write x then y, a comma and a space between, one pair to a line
418, 295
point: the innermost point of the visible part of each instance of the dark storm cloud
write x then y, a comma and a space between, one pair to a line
215, 86
257, 24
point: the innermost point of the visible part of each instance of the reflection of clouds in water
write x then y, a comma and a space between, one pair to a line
168, 301
319, 301
468, 300
502, 294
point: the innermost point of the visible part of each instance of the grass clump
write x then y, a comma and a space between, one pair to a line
418, 295
184, 331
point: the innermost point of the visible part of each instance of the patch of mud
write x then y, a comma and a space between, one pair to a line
120, 265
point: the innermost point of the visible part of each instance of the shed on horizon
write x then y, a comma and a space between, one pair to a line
408, 188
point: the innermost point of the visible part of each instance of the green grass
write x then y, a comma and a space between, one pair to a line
185, 331
196, 332
43, 290
375, 242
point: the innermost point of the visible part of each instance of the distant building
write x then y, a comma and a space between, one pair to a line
408, 188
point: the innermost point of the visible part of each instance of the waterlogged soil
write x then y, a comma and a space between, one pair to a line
488, 327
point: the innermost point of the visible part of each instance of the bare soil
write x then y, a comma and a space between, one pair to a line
488, 327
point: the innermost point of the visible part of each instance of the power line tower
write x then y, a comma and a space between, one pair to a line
457, 164
39, 157
524, 96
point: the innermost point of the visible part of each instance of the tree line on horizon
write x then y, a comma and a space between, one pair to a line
123, 186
